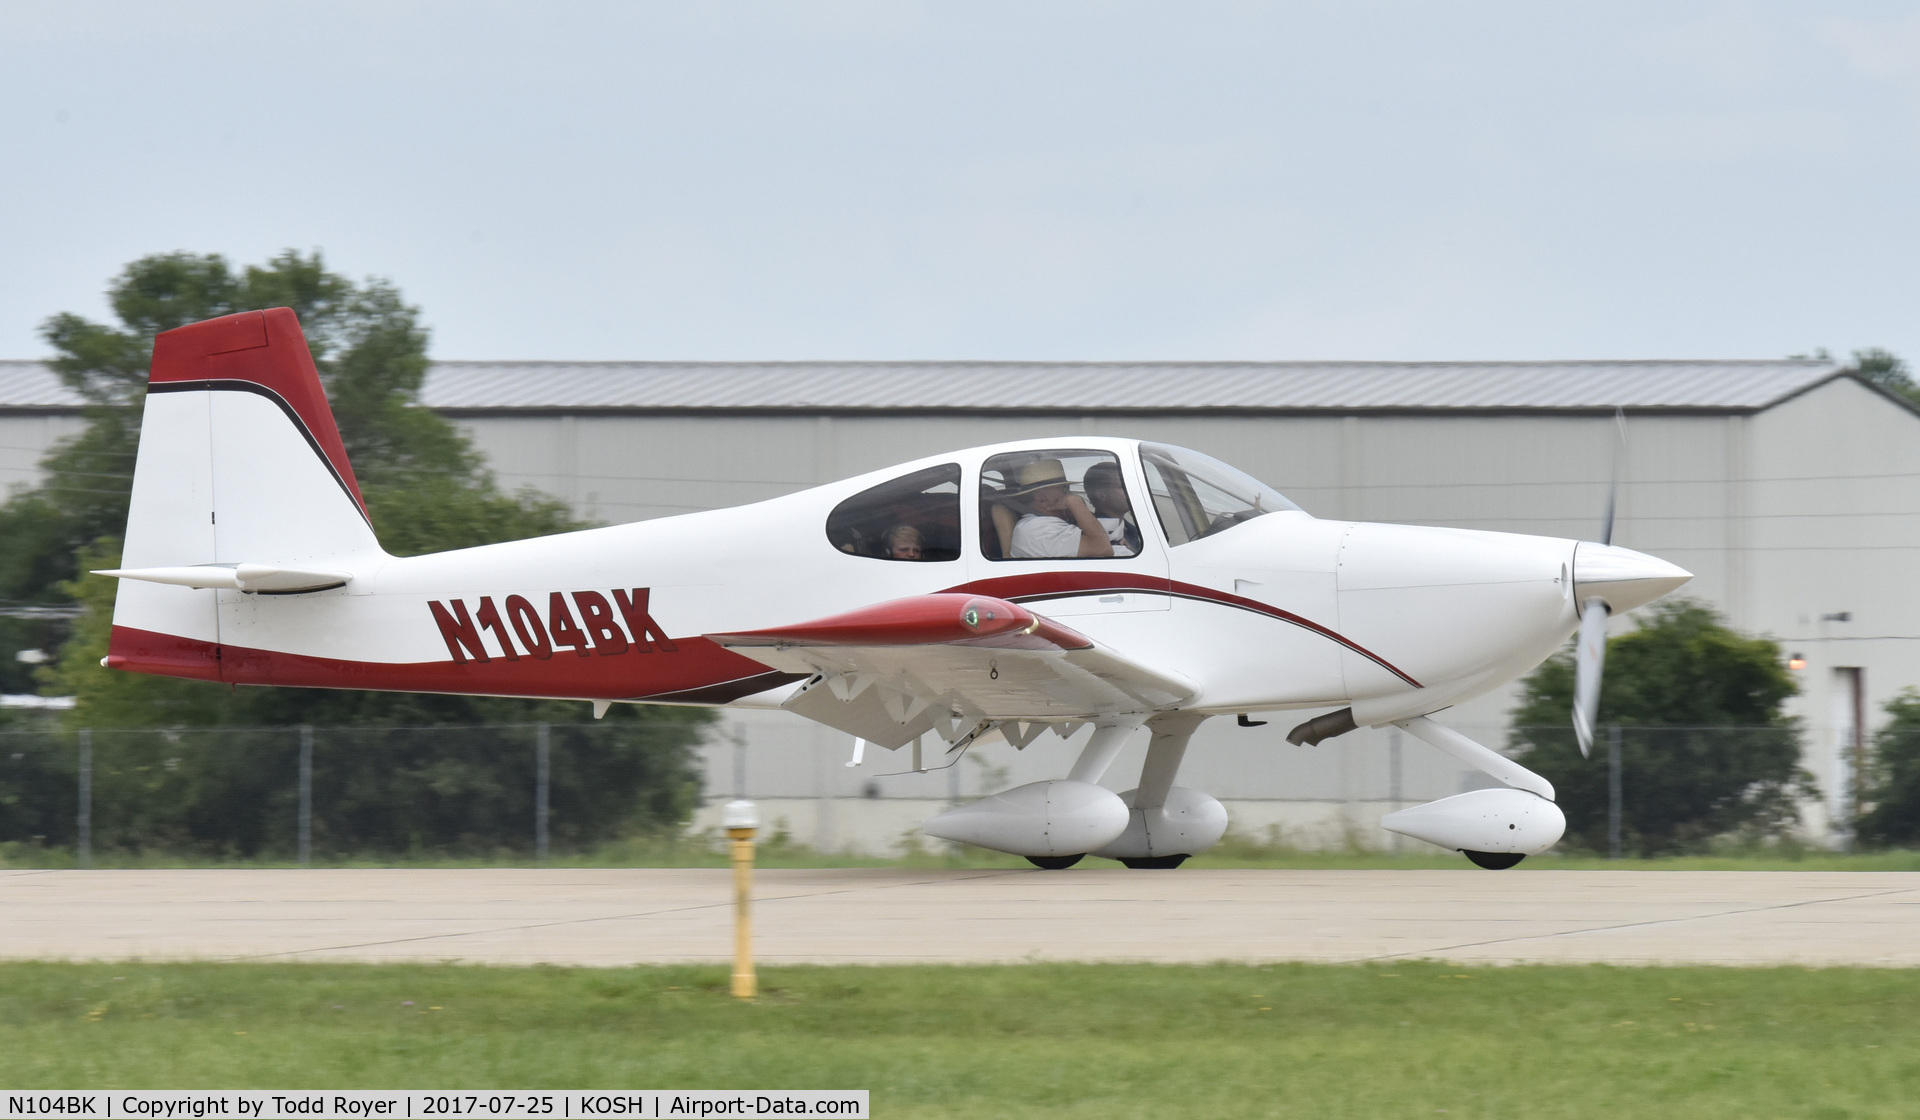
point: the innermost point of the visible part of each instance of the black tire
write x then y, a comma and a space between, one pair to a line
1155, 863
1055, 863
1494, 861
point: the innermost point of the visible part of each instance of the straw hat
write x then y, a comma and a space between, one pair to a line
1037, 475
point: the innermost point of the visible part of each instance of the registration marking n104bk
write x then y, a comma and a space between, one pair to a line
521, 629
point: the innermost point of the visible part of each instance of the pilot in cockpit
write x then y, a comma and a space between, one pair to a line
1060, 524
1108, 493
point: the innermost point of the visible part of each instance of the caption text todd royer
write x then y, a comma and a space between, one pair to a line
433, 1104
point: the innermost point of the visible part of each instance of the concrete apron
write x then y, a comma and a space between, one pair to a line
620, 916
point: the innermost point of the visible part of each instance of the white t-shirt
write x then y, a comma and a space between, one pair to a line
1037, 535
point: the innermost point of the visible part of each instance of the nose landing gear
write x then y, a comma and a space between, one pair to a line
1055, 863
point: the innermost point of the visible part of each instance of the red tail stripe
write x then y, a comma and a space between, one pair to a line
267, 349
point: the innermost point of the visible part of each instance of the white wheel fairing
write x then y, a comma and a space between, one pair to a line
1189, 823
1058, 818
1483, 820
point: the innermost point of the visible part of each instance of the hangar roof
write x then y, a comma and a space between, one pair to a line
1671, 386
32, 385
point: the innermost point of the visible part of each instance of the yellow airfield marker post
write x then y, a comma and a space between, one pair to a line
741, 819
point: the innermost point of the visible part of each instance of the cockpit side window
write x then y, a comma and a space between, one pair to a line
914, 518
1064, 504
1196, 495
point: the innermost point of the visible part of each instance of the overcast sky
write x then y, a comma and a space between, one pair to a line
980, 180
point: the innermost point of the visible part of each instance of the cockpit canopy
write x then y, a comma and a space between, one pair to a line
1034, 503
1196, 495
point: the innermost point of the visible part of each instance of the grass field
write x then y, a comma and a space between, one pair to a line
1410, 1040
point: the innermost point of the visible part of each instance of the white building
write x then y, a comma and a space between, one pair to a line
1791, 491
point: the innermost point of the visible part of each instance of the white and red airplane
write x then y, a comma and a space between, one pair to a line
1010, 589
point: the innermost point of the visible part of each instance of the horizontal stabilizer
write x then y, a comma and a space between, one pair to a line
236, 577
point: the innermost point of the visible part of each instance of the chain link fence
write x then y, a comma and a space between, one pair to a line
298, 792
1655, 790
304, 793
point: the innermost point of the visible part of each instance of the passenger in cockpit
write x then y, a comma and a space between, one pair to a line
1060, 524
903, 542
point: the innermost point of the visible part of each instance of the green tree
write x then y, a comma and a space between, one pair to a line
427, 490
1892, 796
1885, 369
1706, 750
372, 355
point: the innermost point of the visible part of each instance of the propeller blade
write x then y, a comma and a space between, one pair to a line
1589, 656
1590, 653
1613, 482
1606, 525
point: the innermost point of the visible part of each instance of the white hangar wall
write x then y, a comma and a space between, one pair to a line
1786, 516
36, 411
1821, 546
24, 438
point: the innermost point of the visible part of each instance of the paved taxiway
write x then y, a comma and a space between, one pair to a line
611, 917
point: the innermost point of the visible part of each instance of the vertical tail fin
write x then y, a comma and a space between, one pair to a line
241, 473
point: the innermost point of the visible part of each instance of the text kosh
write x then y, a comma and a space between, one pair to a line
596, 629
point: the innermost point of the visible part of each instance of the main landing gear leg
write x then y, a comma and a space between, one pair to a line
1101, 749
1165, 752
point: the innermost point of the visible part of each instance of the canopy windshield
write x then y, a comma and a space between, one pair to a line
1196, 495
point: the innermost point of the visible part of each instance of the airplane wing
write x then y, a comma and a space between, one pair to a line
952, 663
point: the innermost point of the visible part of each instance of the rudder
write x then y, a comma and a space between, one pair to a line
241, 482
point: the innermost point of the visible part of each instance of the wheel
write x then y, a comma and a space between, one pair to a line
1154, 863
1055, 863
1494, 861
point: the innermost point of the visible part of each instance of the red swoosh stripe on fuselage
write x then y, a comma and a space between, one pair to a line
1029, 586
697, 671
